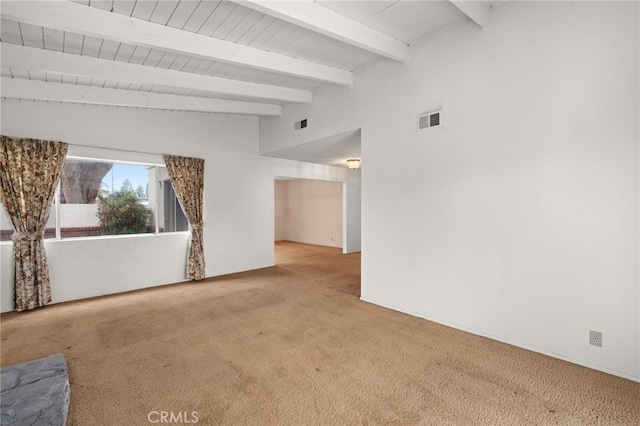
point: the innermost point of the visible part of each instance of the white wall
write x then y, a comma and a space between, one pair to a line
238, 200
309, 211
519, 220
281, 209
352, 216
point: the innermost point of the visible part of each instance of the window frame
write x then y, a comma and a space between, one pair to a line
56, 207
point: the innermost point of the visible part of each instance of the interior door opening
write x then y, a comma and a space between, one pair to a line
309, 211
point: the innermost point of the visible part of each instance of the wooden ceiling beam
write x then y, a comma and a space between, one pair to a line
30, 58
310, 15
14, 88
478, 11
64, 15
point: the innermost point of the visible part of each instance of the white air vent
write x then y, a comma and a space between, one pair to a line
429, 120
300, 124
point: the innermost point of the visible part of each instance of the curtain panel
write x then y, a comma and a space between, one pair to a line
187, 178
29, 174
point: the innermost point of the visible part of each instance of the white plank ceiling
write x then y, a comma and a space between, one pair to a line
240, 57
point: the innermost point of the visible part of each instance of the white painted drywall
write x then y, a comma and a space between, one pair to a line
309, 211
352, 216
281, 208
519, 219
238, 200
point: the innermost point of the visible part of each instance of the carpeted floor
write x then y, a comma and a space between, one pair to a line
293, 345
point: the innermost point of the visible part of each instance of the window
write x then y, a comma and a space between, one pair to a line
97, 197
104, 198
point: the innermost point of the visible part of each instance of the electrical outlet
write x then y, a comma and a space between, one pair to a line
595, 338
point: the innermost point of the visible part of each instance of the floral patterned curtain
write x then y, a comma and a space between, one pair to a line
187, 178
29, 173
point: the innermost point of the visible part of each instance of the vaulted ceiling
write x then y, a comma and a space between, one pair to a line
242, 57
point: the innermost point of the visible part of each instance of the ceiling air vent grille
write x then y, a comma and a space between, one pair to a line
428, 120
300, 124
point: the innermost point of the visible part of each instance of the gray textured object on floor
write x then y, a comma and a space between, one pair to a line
35, 392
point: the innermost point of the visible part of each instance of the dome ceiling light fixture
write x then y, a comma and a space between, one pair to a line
353, 163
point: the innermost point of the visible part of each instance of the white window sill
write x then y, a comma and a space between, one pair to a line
107, 237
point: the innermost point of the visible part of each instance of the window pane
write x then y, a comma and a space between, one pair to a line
104, 198
174, 219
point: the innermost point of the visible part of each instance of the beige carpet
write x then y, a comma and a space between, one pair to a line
293, 345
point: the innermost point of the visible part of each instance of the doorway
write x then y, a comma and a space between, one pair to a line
309, 211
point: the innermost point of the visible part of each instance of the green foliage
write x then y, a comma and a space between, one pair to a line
122, 213
126, 186
140, 192
102, 192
